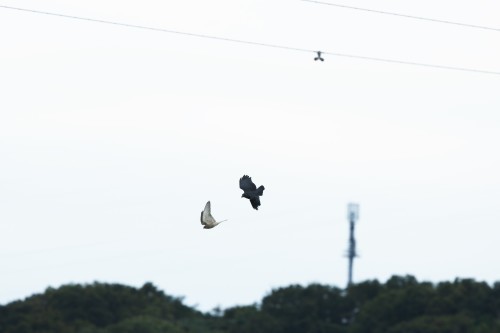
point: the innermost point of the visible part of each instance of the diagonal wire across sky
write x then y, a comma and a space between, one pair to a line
402, 15
290, 48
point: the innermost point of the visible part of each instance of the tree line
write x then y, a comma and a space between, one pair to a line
400, 305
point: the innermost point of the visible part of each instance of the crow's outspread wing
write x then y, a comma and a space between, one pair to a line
246, 184
206, 216
255, 201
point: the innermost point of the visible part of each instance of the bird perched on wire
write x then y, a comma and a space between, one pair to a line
250, 191
206, 218
319, 57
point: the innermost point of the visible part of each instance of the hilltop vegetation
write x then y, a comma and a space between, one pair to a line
401, 305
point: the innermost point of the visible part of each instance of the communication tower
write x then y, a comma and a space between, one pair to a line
352, 216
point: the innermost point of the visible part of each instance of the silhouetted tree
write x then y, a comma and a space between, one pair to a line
401, 305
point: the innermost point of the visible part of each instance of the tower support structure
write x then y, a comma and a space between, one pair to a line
352, 216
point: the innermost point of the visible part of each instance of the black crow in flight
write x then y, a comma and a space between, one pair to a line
250, 191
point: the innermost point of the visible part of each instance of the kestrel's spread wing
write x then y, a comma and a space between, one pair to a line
207, 219
206, 216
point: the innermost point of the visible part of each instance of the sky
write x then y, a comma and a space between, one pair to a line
112, 139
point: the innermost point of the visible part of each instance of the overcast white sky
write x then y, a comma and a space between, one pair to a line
112, 139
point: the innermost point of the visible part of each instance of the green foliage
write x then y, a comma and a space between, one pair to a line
401, 300
144, 324
248, 319
441, 324
401, 305
87, 308
314, 308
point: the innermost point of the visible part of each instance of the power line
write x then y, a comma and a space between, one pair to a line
394, 61
403, 62
403, 15
156, 29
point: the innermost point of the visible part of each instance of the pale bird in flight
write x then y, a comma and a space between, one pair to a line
207, 219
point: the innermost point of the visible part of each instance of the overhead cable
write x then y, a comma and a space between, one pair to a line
403, 15
252, 42
154, 29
